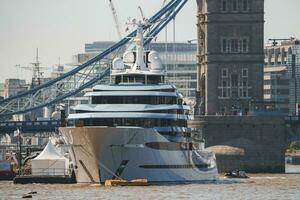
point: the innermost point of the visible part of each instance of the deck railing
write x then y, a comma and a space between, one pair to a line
48, 172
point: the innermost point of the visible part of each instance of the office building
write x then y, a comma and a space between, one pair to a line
282, 75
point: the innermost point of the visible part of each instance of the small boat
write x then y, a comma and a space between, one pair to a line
118, 182
6, 171
236, 174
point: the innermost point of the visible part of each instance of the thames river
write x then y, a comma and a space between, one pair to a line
259, 186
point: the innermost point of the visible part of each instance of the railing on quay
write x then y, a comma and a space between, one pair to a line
46, 172
29, 126
292, 119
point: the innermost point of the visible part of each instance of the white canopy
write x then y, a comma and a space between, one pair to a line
49, 152
50, 162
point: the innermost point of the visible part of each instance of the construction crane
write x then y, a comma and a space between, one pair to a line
285, 39
115, 16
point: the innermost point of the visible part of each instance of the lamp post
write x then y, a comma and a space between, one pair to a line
18, 134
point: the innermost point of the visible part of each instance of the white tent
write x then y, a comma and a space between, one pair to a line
50, 162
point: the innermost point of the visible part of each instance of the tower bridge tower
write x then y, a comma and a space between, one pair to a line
230, 55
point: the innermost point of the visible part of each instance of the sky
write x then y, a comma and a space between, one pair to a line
60, 28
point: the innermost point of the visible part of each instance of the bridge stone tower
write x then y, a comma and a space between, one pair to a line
230, 55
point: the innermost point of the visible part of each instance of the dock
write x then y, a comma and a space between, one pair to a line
44, 179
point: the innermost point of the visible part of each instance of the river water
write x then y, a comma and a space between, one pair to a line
259, 186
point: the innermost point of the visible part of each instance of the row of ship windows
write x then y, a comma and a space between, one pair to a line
140, 122
174, 146
136, 100
188, 166
150, 80
171, 111
156, 90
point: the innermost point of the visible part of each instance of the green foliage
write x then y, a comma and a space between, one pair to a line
295, 145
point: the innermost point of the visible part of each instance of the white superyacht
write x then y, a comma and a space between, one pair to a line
136, 127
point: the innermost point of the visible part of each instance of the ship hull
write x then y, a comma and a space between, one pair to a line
102, 153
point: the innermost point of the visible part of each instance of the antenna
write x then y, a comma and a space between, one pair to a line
37, 74
142, 13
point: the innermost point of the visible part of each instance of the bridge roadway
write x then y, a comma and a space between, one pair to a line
53, 125
29, 126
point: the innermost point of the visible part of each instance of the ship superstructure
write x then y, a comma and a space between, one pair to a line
136, 127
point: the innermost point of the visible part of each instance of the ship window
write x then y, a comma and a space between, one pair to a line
131, 79
188, 166
161, 100
140, 79
154, 80
118, 79
173, 146
128, 78
125, 79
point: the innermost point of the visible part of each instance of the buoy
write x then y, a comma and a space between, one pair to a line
32, 192
136, 182
236, 174
27, 196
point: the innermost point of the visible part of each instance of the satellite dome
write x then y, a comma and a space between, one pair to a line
118, 64
56, 115
155, 61
128, 57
